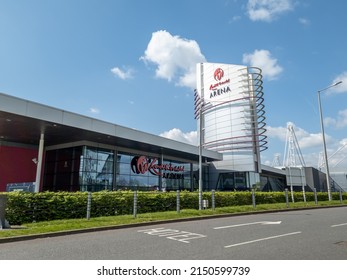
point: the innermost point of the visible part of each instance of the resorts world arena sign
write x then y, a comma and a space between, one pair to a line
216, 88
142, 164
231, 118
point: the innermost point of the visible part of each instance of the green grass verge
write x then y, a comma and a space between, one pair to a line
77, 224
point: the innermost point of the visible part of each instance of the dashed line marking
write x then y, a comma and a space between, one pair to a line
262, 239
248, 224
339, 225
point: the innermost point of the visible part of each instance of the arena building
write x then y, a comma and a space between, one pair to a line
48, 149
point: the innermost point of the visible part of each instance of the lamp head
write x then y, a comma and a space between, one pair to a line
337, 83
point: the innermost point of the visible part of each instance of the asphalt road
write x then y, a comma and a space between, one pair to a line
319, 234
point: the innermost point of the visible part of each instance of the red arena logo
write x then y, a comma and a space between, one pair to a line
142, 164
216, 87
218, 74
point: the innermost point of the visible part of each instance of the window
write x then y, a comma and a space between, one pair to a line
62, 169
96, 169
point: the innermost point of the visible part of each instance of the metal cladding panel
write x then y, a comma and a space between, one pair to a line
236, 161
103, 127
131, 134
295, 176
75, 120
39, 111
12, 104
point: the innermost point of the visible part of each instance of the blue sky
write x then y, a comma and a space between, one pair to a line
132, 62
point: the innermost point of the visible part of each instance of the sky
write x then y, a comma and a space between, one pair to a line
132, 63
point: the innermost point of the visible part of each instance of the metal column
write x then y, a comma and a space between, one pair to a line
39, 164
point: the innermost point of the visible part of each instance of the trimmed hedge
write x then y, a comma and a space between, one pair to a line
25, 207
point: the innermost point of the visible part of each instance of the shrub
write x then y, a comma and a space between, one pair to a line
25, 207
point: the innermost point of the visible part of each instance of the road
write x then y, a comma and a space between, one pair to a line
319, 234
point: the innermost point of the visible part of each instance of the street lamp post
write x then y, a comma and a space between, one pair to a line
200, 157
323, 137
201, 123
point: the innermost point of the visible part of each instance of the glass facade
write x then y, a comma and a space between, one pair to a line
151, 173
96, 169
126, 178
62, 169
206, 186
238, 181
178, 181
93, 169
272, 183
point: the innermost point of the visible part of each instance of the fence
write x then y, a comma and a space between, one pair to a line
24, 207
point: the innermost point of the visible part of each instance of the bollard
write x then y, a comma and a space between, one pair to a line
3, 202
315, 196
287, 199
200, 200
89, 204
178, 206
204, 204
213, 200
292, 193
304, 194
253, 198
135, 205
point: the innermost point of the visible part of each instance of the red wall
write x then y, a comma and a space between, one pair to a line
16, 165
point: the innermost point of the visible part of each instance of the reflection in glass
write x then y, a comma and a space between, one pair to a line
96, 169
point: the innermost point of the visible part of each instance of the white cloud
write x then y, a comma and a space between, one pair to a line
304, 21
122, 74
178, 135
339, 122
338, 159
94, 110
277, 132
311, 146
305, 139
264, 60
175, 58
310, 143
235, 18
267, 10
341, 88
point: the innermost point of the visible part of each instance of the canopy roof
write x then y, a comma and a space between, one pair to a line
22, 121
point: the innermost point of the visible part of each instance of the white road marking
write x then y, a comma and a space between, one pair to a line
173, 234
184, 236
272, 223
339, 225
262, 239
248, 224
